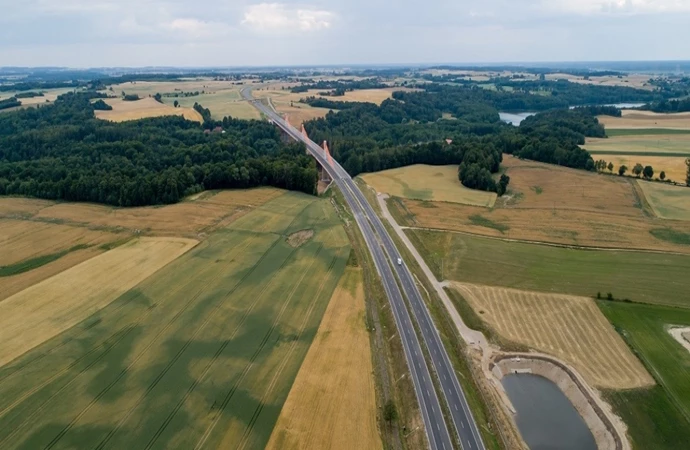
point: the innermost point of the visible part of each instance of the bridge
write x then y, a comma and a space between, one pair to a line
385, 256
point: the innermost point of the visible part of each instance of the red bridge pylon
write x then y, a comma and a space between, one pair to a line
328, 153
304, 132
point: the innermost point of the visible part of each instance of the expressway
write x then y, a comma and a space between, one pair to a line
372, 227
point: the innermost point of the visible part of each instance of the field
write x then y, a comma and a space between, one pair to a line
332, 403
49, 95
643, 277
547, 203
201, 354
669, 202
632, 119
288, 103
674, 167
21, 240
221, 104
46, 309
658, 417
567, 327
141, 109
423, 182
65, 234
676, 144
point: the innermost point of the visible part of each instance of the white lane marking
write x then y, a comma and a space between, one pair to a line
469, 444
438, 427
463, 425
456, 406
428, 393
444, 376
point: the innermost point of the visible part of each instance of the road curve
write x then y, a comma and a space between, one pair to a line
372, 228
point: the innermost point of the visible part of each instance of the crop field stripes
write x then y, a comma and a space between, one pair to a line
123, 332
287, 357
227, 342
567, 327
170, 364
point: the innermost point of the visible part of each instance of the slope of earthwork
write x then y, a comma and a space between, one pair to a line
548, 203
332, 403
201, 354
567, 327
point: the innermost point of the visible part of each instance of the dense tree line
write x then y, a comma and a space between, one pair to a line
100, 105
320, 102
344, 85
60, 151
669, 106
11, 102
30, 94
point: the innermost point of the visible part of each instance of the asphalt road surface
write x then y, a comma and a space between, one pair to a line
380, 244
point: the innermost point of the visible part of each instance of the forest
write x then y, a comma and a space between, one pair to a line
412, 128
61, 151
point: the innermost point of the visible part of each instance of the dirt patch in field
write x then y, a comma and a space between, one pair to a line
300, 238
647, 119
682, 335
44, 310
548, 203
332, 403
144, 108
570, 328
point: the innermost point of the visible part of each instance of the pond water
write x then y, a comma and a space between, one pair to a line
514, 118
545, 417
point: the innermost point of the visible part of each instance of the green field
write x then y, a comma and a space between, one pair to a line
200, 355
677, 144
642, 277
643, 132
658, 417
221, 104
667, 201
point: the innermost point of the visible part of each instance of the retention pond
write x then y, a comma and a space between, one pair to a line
547, 420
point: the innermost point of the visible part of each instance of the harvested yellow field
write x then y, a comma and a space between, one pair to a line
570, 328
332, 403
667, 201
424, 182
647, 144
151, 88
144, 108
21, 240
673, 167
647, 119
46, 309
17, 283
547, 203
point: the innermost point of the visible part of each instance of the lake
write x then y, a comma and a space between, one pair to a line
545, 417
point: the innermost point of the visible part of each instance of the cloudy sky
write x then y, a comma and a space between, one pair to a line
96, 33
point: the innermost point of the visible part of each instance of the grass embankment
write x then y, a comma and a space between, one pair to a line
202, 353
643, 277
668, 202
657, 417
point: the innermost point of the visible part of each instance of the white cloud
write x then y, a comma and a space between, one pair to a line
278, 17
618, 6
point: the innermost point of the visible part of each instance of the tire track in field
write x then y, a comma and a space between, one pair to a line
262, 344
141, 319
232, 391
69, 426
286, 358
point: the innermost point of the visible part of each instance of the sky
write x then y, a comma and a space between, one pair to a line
132, 33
